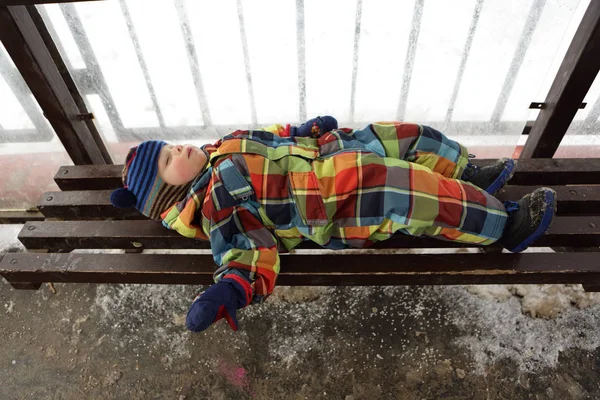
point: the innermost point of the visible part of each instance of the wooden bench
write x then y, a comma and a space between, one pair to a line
80, 216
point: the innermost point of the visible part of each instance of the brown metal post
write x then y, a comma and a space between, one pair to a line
36, 63
574, 78
32, 2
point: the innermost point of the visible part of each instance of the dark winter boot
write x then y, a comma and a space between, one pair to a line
528, 219
491, 178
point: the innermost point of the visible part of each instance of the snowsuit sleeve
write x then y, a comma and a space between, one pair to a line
241, 243
238, 239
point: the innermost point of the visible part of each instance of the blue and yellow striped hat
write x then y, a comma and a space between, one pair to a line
143, 188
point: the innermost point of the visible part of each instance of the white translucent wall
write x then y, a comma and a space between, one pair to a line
587, 119
583, 136
30, 152
198, 69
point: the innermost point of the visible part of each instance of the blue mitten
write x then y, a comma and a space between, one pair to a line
316, 127
221, 300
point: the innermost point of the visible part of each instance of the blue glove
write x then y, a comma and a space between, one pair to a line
316, 127
221, 300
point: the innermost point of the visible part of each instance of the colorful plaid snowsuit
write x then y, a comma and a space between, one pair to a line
264, 193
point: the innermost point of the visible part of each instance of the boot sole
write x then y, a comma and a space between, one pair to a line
503, 178
547, 218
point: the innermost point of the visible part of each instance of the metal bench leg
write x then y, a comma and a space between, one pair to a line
586, 286
591, 288
491, 249
26, 285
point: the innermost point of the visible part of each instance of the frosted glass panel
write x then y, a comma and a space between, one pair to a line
439, 53
329, 53
216, 33
67, 41
101, 118
13, 116
21, 119
172, 80
30, 152
118, 62
590, 112
272, 50
383, 43
587, 121
494, 44
536, 75
181, 69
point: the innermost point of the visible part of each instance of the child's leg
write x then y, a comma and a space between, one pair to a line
422, 145
430, 148
417, 201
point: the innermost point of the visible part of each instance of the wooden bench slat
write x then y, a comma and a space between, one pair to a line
555, 171
75, 204
438, 269
539, 171
19, 216
89, 177
565, 231
87, 204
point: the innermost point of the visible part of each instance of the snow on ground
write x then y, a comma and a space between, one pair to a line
529, 324
494, 324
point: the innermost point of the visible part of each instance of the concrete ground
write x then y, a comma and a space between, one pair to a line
129, 342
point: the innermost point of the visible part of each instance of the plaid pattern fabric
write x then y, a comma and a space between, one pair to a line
265, 193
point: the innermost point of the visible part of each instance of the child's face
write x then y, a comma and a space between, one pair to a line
179, 164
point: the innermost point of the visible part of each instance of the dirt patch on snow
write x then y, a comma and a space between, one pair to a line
540, 301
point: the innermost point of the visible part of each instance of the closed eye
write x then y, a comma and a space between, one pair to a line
169, 156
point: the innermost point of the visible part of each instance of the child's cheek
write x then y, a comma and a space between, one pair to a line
182, 170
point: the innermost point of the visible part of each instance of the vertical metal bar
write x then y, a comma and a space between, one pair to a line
140, 56
53, 49
95, 75
240, 12
190, 47
19, 88
463, 61
573, 80
56, 49
410, 58
301, 49
535, 12
26, 45
355, 58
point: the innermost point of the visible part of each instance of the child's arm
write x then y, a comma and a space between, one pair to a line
248, 260
240, 243
244, 250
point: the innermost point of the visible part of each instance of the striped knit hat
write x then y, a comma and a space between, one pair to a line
143, 188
